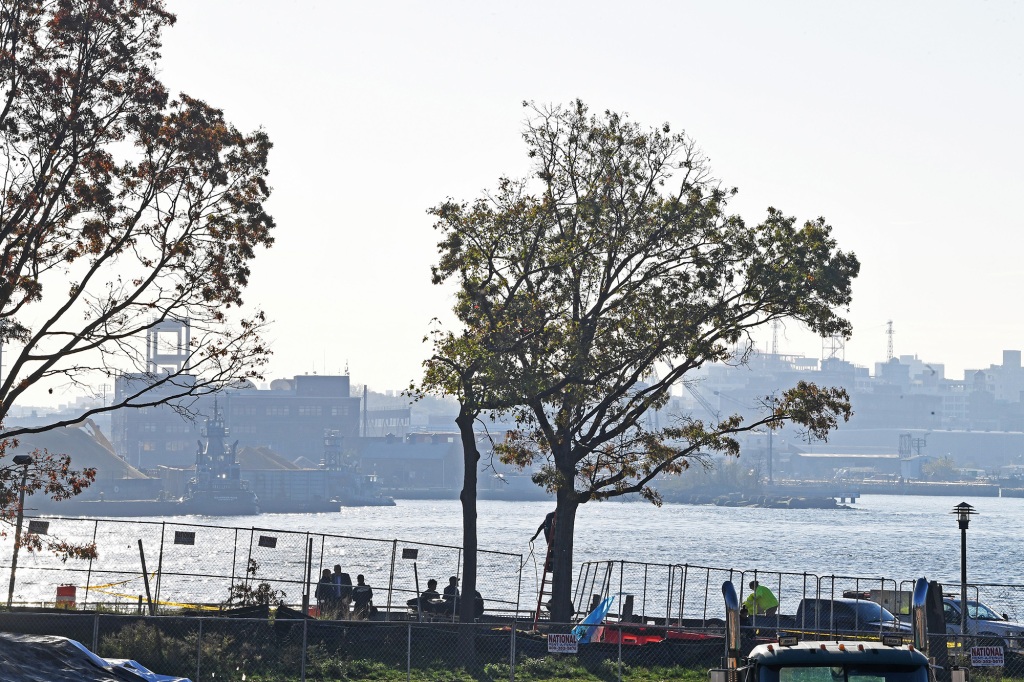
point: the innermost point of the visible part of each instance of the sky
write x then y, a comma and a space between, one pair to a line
900, 123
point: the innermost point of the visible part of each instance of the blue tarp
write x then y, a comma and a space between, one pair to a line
585, 630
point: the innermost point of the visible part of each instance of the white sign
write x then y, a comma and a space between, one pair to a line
562, 644
986, 656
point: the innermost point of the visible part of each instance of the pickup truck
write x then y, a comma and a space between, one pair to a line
983, 622
836, 617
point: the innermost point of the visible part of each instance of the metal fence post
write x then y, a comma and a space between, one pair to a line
199, 648
512, 653
408, 653
95, 632
620, 651
391, 578
305, 628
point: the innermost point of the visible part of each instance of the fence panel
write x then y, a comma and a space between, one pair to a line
211, 567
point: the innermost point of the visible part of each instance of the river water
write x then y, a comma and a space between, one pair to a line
896, 537
880, 535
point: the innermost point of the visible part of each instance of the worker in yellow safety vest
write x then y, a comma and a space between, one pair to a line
760, 601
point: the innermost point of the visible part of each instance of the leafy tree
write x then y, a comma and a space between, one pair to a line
245, 594
615, 258
53, 476
473, 366
123, 208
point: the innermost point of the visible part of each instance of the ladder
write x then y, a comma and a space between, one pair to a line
545, 581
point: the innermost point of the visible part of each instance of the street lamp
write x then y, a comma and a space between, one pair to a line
963, 512
22, 461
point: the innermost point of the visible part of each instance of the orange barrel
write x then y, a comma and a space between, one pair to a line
66, 596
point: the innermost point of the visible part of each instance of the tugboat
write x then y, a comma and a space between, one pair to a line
348, 487
217, 489
364, 491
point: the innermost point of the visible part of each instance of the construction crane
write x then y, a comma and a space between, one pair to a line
702, 400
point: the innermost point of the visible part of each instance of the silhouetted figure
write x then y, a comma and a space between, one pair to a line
342, 590
478, 605
325, 598
425, 600
546, 526
362, 596
451, 596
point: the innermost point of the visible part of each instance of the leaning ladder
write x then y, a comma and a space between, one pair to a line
545, 581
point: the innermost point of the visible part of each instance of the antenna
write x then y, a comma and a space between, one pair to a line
888, 332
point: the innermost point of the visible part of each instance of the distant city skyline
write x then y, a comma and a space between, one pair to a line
897, 122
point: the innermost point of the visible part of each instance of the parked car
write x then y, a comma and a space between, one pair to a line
841, 616
983, 621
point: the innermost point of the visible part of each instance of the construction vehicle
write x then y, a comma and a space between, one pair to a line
891, 659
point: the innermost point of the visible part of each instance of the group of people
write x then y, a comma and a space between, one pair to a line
446, 603
337, 597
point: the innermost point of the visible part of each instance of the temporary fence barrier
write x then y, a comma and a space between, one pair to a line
199, 567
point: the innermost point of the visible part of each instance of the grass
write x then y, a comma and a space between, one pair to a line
549, 669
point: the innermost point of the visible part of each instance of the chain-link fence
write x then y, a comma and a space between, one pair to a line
211, 648
204, 567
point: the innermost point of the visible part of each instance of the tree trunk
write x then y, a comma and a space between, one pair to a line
562, 609
470, 458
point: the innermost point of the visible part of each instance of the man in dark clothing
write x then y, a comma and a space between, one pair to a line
451, 596
362, 595
342, 590
547, 526
425, 600
324, 593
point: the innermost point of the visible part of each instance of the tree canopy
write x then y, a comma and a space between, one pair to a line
123, 208
590, 288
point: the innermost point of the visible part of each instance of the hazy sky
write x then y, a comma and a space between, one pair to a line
900, 122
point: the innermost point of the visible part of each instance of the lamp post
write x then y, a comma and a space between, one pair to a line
963, 512
22, 461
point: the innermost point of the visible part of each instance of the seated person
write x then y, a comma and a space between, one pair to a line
451, 596
425, 599
478, 605
362, 596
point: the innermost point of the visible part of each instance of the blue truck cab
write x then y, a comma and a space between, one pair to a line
836, 662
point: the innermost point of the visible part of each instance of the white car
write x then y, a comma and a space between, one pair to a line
983, 622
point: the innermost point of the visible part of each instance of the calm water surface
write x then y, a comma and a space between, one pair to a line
881, 535
895, 537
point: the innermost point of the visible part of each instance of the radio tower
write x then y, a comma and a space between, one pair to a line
888, 332
775, 337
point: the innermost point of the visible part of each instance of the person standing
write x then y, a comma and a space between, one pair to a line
546, 526
342, 590
324, 593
